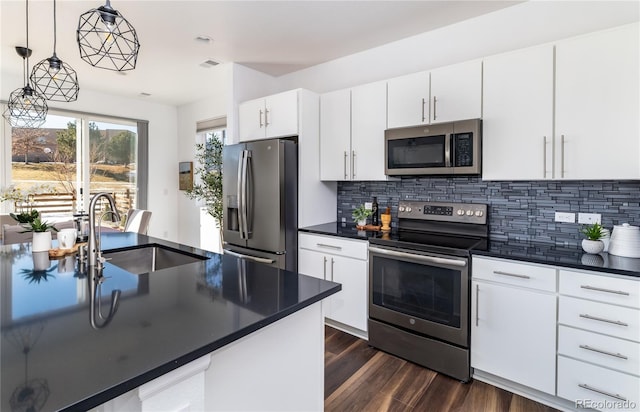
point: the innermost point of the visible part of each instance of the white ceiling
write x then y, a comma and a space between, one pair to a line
275, 37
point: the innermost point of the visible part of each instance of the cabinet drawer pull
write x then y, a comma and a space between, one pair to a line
435, 102
260, 118
423, 102
544, 157
515, 275
332, 263
615, 322
604, 352
344, 164
617, 292
266, 117
329, 246
600, 391
324, 272
562, 156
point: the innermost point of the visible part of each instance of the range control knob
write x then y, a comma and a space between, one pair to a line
401, 209
408, 209
469, 212
460, 212
479, 213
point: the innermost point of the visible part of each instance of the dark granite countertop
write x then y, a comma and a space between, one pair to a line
534, 252
571, 256
50, 353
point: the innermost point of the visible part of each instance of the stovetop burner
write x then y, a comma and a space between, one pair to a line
451, 228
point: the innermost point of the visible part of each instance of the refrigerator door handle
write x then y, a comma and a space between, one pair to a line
244, 229
241, 222
248, 194
249, 257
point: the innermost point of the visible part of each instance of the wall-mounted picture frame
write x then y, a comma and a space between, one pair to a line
185, 175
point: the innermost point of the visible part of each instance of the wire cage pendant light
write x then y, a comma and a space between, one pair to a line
107, 40
26, 107
53, 78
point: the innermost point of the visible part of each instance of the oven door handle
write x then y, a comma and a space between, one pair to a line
422, 258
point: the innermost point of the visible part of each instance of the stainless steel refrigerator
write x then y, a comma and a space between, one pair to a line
260, 190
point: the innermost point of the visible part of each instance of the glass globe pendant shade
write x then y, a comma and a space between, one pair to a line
55, 80
26, 108
107, 40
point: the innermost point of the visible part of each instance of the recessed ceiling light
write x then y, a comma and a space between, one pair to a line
209, 63
203, 38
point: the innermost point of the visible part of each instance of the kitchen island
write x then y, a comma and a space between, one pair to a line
215, 334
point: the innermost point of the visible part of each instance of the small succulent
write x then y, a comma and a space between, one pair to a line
593, 232
38, 225
361, 213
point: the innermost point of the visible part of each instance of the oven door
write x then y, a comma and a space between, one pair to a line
421, 292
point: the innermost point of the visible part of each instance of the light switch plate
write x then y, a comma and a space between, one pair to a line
565, 217
368, 205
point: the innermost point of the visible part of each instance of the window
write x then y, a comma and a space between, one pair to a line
73, 156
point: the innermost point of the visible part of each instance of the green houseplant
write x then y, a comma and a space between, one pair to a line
208, 187
360, 215
592, 244
41, 234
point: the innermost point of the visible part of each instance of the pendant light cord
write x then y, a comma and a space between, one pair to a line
54, 27
26, 71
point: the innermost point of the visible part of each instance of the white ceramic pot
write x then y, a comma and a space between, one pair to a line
362, 222
625, 241
592, 246
41, 241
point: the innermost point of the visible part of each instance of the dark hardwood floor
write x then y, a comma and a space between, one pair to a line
361, 378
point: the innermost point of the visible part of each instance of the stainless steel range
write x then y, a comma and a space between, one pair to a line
419, 281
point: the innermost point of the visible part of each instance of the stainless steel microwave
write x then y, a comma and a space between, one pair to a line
438, 149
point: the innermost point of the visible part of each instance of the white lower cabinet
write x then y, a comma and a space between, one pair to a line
513, 331
599, 340
344, 261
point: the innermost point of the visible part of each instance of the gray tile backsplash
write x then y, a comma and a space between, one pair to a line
517, 210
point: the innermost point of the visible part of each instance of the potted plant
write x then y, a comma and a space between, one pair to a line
360, 215
25, 217
592, 244
41, 234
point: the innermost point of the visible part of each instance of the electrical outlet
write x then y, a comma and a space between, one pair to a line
589, 218
368, 205
565, 217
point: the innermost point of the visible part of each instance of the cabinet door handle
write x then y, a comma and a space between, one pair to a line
544, 157
353, 163
434, 107
562, 155
477, 303
604, 352
553, 157
615, 322
329, 246
345, 165
260, 118
514, 275
617, 292
266, 117
332, 262
600, 391
423, 102
324, 272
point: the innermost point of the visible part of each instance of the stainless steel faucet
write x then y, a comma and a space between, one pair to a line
94, 244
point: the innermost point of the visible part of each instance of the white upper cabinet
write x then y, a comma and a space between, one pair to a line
269, 117
408, 100
352, 124
517, 116
456, 92
368, 122
445, 94
335, 135
597, 105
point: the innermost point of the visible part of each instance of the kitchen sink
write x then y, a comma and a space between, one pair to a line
150, 258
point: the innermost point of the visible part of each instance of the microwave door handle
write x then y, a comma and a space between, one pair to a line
447, 150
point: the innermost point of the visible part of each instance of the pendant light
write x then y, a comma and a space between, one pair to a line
52, 77
26, 107
107, 40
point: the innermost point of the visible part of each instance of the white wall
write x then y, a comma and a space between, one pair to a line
519, 26
163, 163
216, 105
